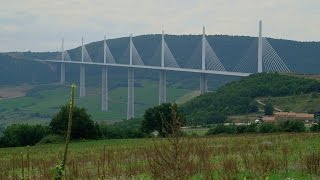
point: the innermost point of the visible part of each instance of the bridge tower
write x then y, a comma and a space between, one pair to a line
203, 76
82, 74
62, 66
162, 78
260, 68
130, 108
104, 78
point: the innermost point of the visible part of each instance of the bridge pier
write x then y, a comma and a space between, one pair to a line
203, 83
130, 107
162, 87
62, 66
203, 76
62, 73
82, 80
260, 64
104, 91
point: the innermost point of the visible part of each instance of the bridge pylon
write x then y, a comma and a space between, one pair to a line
104, 79
260, 68
130, 107
82, 75
203, 76
62, 66
162, 76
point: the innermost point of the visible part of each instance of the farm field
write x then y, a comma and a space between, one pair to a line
256, 156
43, 103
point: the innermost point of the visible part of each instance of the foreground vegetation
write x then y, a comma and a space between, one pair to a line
276, 156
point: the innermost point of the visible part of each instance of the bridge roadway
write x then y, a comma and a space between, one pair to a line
240, 74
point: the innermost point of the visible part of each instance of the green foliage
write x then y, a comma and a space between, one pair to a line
315, 128
159, 118
122, 130
83, 126
286, 126
268, 109
253, 107
222, 129
23, 135
268, 128
238, 97
292, 126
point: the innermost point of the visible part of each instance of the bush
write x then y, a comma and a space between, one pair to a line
160, 118
23, 135
268, 128
222, 129
83, 126
268, 109
315, 128
52, 138
252, 128
124, 129
292, 126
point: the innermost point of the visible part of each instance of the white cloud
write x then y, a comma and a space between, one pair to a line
38, 24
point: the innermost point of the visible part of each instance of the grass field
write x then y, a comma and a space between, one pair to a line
272, 156
40, 107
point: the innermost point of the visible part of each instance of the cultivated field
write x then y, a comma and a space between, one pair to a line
272, 156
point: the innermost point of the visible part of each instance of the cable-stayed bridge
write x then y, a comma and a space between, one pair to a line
260, 57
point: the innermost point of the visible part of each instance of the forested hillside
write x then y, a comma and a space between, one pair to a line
302, 57
238, 97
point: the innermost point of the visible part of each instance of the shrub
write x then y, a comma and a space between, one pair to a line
159, 118
268, 109
23, 135
292, 126
315, 128
246, 128
221, 129
82, 124
268, 128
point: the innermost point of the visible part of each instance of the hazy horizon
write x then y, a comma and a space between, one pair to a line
39, 25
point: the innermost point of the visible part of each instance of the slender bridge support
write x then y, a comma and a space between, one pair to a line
203, 76
162, 77
62, 67
104, 91
260, 68
130, 108
82, 75
104, 81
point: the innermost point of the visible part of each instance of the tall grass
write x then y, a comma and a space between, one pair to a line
273, 156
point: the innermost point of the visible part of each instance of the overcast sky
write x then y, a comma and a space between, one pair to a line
39, 25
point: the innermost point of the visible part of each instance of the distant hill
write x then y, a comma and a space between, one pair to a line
238, 97
301, 57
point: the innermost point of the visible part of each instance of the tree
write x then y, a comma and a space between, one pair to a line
160, 118
82, 123
23, 134
268, 109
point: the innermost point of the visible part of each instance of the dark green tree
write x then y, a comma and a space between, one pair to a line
159, 118
23, 135
83, 126
268, 109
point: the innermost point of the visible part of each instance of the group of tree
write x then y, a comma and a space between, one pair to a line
238, 97
265, 127
159, 118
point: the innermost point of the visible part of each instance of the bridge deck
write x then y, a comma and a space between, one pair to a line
241, 74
